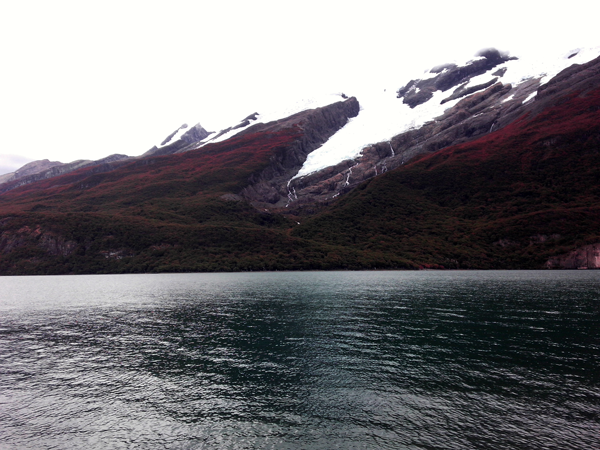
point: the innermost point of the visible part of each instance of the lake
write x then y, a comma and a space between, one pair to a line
302, 360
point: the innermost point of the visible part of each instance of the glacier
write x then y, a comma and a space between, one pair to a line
383, 116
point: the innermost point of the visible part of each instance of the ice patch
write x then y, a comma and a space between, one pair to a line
529, 97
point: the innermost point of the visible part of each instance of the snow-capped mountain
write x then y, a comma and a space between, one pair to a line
487, 163
382, 116
182, 139
451, 103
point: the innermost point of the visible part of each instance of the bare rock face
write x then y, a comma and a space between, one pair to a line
269, 189
35, 167
576, 79
417, 92
187, 141
50, 242
29, 169
587, 257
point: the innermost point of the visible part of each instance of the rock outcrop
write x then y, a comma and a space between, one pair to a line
49, 242
187, 141
270, 189
417, 92
29, 169
587, 257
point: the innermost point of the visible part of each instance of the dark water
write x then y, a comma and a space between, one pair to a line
349, 360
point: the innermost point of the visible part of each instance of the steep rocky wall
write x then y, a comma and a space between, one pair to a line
269, 188
48, 241
587, 257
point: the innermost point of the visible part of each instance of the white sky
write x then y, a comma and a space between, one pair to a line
85, 79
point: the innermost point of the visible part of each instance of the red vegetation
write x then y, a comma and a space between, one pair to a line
510, 199
574, 114
214, 168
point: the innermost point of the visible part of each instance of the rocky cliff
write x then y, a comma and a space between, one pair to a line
587, 257
180, 140
47, 242
270, 188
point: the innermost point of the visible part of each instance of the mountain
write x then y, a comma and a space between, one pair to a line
489, 163
182, 139
29, 169
44, 169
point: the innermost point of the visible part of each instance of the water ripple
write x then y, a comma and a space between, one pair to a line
428, 360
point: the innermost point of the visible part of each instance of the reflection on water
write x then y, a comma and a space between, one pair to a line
415, 360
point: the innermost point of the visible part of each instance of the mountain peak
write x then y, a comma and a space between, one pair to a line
447, 76
182, 139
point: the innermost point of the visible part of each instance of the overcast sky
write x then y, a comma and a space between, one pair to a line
86, 79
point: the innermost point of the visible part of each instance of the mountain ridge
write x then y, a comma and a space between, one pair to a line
438, 194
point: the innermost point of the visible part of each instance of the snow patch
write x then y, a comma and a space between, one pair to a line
480, 79
214, 138
180, 132
280, 111
381, 117
544, 66
428, 75
529, 97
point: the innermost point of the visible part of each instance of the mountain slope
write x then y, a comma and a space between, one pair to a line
512, 199
506, 177
29, 169
479, 104
174, 212
39, 170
